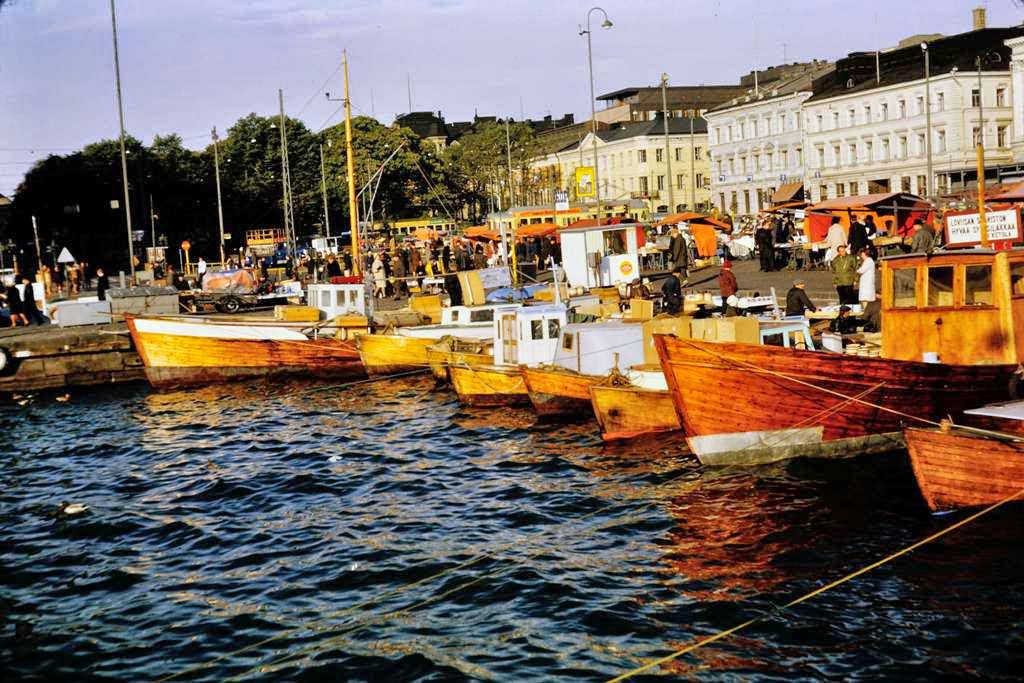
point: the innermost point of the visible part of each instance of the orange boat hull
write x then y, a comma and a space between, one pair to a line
441, 360
182, 360
751, 404
957, 469
558, 392
389, 354
630, 412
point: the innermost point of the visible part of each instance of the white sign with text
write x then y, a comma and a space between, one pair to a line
966, 228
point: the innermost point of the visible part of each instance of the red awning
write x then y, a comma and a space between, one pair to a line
864, 202
691, 217
1013, 193
481, 232
789, 192
537, 230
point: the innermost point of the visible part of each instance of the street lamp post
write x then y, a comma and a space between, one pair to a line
124, 156
668, 157
220, 209
323, 191
593, 111
928, 120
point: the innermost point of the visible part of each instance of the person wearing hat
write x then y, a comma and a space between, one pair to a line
844, 275
844, 323
672, 291
797, 301
727, 287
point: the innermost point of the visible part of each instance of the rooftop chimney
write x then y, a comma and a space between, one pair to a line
978, 13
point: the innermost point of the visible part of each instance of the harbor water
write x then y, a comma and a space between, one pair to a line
384, 532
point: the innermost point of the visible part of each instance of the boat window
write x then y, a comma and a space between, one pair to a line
904, 287
554, 327
979, 286
1017, 278
536, 329
567, 340
484, 315
325, 299
940, 286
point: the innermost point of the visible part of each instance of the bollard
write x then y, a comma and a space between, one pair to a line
121, 276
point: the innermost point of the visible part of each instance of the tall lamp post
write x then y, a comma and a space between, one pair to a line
668, 158
124, 156
607, 23
980, 61
927, 120
220, 209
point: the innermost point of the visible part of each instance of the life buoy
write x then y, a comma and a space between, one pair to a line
626, 268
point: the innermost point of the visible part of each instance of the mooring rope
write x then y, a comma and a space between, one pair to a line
818, 591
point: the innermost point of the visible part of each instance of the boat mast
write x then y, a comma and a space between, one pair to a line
353, 210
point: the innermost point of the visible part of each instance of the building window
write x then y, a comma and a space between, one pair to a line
697, 152
905, 183
1000, 97
821, 125
770, 159
661, 182
885, 111
940, 101
757, 162
835, 120
799, 156
976, 136
642, 156
940, 141
699, 182
821, 157
885, 149
732, 165
869, 151
920, 104
718, 164
679, 153
922, 185
642, 182
822, 192
975, 97
851, 117
837, 155
853, 154
867, 113
679, 181
901, 150
659, 155
840, 189
743, 164
921, 144
1002, 136
721, 201
903, 109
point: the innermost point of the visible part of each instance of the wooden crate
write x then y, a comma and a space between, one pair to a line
297, 314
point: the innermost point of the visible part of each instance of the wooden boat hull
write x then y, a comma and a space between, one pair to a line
557, 392
629, 412
489, 385
956, 469
189, 357
751, 404
440, 356
389, 354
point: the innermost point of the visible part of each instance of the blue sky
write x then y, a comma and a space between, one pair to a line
188, 65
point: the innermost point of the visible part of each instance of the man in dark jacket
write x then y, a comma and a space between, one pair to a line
764, 240
797, 300
858, 236
672, 292
102, 284
677, 250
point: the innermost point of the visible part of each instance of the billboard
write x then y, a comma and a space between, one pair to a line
963, 228
585, 186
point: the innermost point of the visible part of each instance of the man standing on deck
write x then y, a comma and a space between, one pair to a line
797, 300
672, 292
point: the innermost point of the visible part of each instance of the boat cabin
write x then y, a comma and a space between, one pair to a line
596, 348
957, 307
469, 315
529, 335
602, 255
335, 300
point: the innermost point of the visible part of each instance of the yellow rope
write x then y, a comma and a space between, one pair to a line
838, 582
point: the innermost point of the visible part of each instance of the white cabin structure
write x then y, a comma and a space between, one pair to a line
528, 336
596, 348
601, 256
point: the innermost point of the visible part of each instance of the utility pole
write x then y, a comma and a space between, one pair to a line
508, 156
928, 120
353, 208
124, 155
593, 112
152, 218
286, 184
220, 209
323, 191
693, 170
668, 157
35, 233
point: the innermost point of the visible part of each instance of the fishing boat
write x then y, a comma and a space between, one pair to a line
523, 337
587, 352
634, 404
405, 348
749, 404
189, 350
456, 351
980, 462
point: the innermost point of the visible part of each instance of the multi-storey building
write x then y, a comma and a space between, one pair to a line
633, 163
431, 127
756, 141
645, 103
866, 127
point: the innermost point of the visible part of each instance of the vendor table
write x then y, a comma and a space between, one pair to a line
785, 327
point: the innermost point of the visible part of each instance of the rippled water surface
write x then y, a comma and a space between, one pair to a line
384, 532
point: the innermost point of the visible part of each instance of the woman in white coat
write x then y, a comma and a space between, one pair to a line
866, 275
